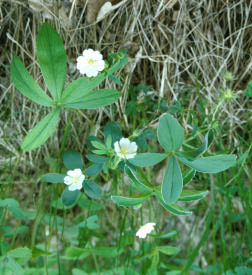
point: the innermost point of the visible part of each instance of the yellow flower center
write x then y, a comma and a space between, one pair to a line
124, 150
227, 94
75, 179
90, 62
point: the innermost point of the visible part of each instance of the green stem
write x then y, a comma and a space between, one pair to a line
64, 140
96, 264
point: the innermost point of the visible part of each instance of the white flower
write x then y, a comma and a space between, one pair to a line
145, 229
125, 149
74, 179
90, 63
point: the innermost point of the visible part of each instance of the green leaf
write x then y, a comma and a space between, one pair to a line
16, 212
192, 195
41, 132
76, 252
9, 203
53, 177
94, 169
14, 266
21, 253
99, 145
79, 272
113, 130
72, 160
170, 133
130, 201
93, 99
202, 149
168, 250
69, 198
36, 252
86, 203
115, 79
92, 189
137, 181
172, 182
26, 85
77, 89
147, 159
97, 159
189, 176
213, 164
92, 139
90, 223
106, 251
154, 258
4, 247
248, 91
52, 59
173, 207
177, 209
11, 232
166, 235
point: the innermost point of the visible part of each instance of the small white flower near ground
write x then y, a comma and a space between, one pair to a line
74, 179
125, 149
90, 63
145, 229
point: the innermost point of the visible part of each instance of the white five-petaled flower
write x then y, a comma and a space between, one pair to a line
74, 179
145, 229
90, 63
125, 149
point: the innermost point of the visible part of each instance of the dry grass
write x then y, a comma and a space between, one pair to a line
188, 45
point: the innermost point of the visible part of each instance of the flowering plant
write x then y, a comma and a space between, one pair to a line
145, 229
119, 151
77, 95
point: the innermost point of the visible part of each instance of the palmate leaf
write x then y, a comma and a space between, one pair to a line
26, 85
52, 59
41, 132
170, 133
92, 99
